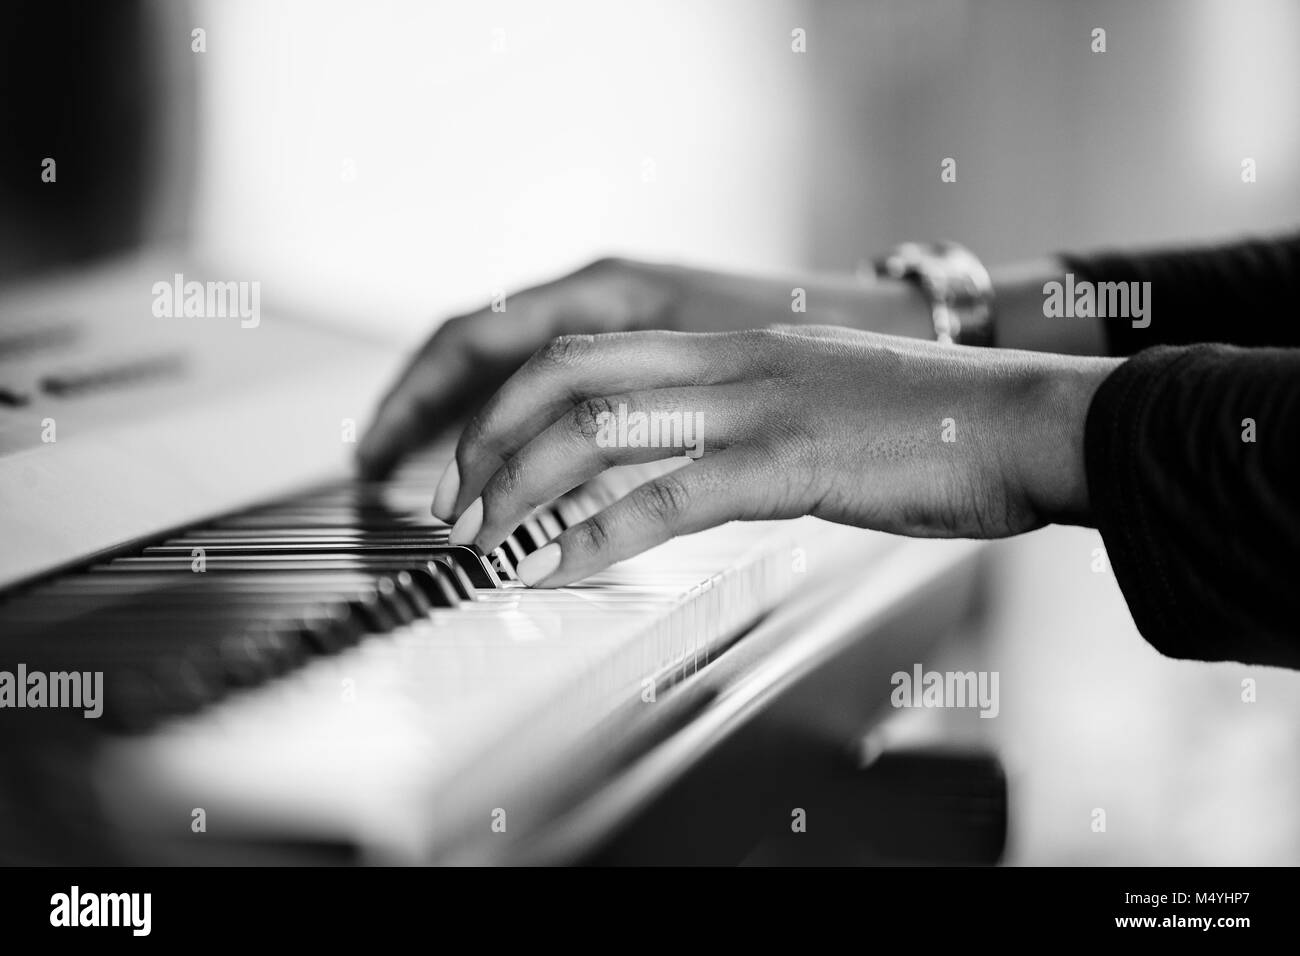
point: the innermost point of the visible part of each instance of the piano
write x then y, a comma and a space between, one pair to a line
297, 666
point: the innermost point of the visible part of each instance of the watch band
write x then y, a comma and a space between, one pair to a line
954, 281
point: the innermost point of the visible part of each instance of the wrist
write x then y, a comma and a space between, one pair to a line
1048, 429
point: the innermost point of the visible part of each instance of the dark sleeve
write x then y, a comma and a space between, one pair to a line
1244, 293
1193, 464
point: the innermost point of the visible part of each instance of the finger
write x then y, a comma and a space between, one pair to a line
416, 407
456, 370
470, 355
596, 435
734, 485
571, 369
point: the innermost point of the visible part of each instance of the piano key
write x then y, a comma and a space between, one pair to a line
455, 578
301, 546
530, 535
480, 568
503, 564
296, 580
549, 523
381, 597
258, 627
476, 566
327, 517
514, 549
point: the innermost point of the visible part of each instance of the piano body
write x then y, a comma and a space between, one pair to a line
298, 668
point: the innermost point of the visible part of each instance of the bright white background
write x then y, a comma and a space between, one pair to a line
493, 144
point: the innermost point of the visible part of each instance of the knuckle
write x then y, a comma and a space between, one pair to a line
794, 446
773, 335
663, 501
564, 351
590, 416
472, 438
509, 479
456, 334
794, 475
766, 350
478, 444
592, 535
606, 264
454, 327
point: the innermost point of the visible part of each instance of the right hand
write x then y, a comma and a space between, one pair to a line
846, 425
470, 356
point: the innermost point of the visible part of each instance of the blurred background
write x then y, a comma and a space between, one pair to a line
383, 164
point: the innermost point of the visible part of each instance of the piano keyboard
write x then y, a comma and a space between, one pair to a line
178, 624
320, 664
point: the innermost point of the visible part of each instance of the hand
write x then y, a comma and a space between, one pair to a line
471, 355
870, 430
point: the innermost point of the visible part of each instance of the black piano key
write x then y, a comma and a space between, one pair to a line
326, 518
549, 521
136, 698
453, 576
264, 564
340, 627
514, 549
303, 546
247, 644
430, 580
482, 571
412, 593
96, 591
530, 536
176, 678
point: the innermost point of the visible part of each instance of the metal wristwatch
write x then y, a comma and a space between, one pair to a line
955, 283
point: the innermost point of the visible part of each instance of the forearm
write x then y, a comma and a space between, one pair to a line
1239, 293
722, 302
714, 301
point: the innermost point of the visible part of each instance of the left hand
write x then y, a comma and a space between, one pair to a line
471, 355
887, 433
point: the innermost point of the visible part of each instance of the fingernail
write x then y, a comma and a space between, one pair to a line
466, 529
539, 565
444, 496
